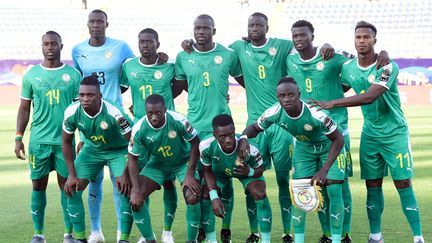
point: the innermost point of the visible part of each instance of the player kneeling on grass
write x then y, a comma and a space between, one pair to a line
108, 130
221, 163
165, 136
318, 145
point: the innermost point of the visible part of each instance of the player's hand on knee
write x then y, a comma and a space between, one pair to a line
192, 184
218, 208
124, 184
19, 150
71, 185
186, 45
79, 147
136, 200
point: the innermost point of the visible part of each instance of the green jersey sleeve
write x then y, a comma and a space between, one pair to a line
69, 123
123, 121
326, 123
205, 155
137, 146
26, 91
387, 75
235, 68
184, 127
268, 117
124, 81
255, 160
179, 72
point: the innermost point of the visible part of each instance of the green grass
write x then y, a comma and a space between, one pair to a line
15, 186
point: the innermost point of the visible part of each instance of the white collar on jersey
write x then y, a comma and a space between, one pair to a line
148, 122
97, 114
261, 46
214, 47
148, 65
52, 69
235, 149
318, 51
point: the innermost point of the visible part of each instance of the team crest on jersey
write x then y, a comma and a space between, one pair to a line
218, 59
158, 74
104, 125
172, 134
371, 78
66, 77
320, 66
108, 54
272, 51
308, 127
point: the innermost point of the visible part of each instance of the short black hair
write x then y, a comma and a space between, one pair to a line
155, 99
150, 31
222, 120
303, 23
206, 16
258, 14
98, 11
93, 80
287, 80
364, 24
52, 32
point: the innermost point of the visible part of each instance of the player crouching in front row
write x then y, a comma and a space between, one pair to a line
221, 163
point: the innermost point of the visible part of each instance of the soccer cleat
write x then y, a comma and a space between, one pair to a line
141, 240
123, 241
38, 239
201, 235
324, 239
287, 238
96, 237
81, 241
346, 239
253, 238
68, 239
167, 237
375, 241
118, 235
226, 235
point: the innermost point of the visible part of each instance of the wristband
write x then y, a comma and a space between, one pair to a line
18, 138
251, 172
213, 194
243, 136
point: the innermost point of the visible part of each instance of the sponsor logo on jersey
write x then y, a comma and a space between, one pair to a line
158, 74
134, 74
328, 123
104, 125
66, 77
385, 76
192, 61
189, 128
108, 54
320, 66
172, 134
218, 59
308, 127
272, 51
123, 123
371, 78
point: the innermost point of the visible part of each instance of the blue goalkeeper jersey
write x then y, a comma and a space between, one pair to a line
106, 61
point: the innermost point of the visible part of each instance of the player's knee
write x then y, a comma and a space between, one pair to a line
259, 194
169, 185
190, 198
401, 184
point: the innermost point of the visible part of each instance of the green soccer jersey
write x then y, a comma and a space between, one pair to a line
384, 117
207, 76
51, 91
223, 164
104, 131
168, 145
263, 66
145, 80
318, 79
310, 127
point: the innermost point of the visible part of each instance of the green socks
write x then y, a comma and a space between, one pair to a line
410, 209
298, 221
66, 219
324, 214
37, 207
375, 207
143, 221
282, 179
251, 212
264, 214
126, 218
76, 214
227, 197
346, 194
207, 216
170, 206
336, 210
193, 216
